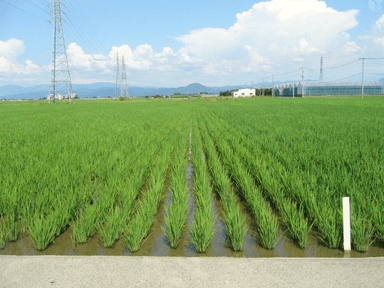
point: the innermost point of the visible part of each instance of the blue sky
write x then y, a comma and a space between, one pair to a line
175, 43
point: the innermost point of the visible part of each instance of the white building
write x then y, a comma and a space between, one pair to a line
244, 93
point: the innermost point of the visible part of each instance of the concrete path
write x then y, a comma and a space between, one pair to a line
99, 271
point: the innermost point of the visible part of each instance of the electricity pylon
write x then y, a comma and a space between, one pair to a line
124, 82
119, 87
321, 69
60, 75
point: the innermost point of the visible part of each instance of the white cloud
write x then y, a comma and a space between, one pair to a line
272, 34
78, 59
377, 35
10, 50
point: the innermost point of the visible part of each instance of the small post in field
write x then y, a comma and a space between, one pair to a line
346, 225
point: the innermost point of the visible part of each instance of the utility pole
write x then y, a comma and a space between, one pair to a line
362, 72
273, 90
321, 69
60, 68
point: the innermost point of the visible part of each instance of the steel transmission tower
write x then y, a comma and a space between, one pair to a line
119, 87
124, 82
60, 76
321, 69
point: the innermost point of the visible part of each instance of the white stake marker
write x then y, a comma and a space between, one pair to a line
346, 224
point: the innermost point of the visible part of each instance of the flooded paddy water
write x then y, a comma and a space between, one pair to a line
157, 245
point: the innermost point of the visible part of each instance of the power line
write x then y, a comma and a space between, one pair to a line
10, 4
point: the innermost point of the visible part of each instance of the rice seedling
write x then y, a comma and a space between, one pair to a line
142, 221
361, 232
112, 228
202, 230
13, 226
250, 192
329, 225
176, 212
3, 234
42, 231
233, 219
86, 223
378, 222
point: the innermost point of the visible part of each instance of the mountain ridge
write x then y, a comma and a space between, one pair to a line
105, 89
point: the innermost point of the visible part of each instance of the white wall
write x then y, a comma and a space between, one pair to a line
244, 93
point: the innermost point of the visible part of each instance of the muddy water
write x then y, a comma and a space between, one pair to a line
156, 244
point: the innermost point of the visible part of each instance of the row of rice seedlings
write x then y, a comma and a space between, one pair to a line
44, 228
86, 224
112, 225
267, 171
103, 214
37, 177
266, 221
325, 217
293, 217
202, 230
332, 161
142, 221
176, 212
234, 220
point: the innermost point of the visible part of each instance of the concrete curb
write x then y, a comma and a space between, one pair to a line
104, 271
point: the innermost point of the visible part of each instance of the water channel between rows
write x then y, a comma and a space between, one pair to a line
157, 245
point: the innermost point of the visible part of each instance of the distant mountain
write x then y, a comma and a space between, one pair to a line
105, 89
101, 89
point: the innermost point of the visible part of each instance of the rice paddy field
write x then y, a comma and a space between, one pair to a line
260, 177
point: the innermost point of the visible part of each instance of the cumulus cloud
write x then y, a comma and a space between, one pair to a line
272, 35
10, 50
77, 58
273, 32
377, 35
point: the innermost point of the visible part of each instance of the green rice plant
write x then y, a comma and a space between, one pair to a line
328, 222
234, 220
13, 226
86, 223
202, 231
139, 227
267, 229
42, 231
378, 222
3, 234
112, 228
236, 227
361, 232
176, 212
250, 192
296, 223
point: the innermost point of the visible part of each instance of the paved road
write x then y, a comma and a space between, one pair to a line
99, 271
